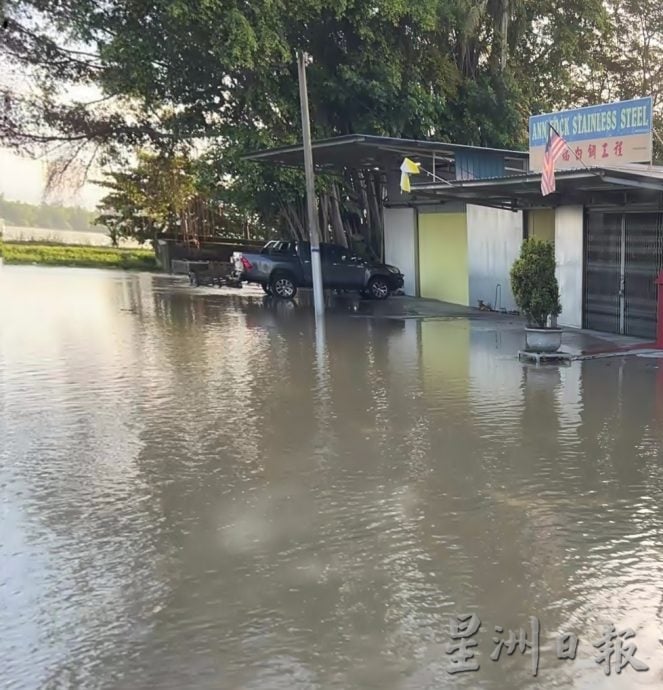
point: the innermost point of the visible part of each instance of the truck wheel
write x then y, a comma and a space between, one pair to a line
378, 288
266, 288
283, 286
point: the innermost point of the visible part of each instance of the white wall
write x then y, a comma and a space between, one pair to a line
400, 244
494, 237
568, 255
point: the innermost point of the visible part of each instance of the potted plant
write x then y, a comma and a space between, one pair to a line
536, 292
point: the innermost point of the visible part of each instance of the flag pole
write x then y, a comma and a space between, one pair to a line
435, 177
566, 143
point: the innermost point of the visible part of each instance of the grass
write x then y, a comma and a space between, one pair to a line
78, 255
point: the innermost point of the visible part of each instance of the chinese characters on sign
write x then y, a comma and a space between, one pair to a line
584, 154
616, 650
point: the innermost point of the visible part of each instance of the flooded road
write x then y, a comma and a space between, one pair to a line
193, 497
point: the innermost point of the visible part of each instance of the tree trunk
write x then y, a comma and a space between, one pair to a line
324, 216
365, 218
375, 213
294, 224
288, 223
337, 220
500, 14
504, 30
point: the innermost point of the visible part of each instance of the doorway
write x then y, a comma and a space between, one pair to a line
623, 256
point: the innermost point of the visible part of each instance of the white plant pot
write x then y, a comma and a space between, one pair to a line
543, 339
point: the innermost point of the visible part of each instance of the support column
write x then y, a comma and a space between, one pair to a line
659, 320
400, 244
569, 260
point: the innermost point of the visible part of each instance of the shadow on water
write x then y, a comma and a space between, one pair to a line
201, 489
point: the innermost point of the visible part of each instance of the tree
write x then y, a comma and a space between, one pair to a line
223, 75
632, 65
191, 68
150, 199
171, 195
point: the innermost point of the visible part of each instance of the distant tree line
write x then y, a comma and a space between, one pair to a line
25, 215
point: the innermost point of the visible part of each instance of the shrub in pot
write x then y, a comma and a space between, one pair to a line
536, 292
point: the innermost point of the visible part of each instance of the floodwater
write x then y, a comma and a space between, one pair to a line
14, 233
194, 496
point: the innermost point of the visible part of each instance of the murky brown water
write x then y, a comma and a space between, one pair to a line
192, 497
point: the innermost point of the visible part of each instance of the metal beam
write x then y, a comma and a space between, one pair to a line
531, 179
638, 184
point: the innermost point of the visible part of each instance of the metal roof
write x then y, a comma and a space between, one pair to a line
367, 151
578, 185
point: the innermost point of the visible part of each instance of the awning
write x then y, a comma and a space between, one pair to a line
368, 151
587, 186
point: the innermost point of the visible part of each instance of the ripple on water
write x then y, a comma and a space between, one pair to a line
193, 496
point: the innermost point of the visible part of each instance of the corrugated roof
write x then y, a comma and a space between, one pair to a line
634, 170
367, 150
577, 185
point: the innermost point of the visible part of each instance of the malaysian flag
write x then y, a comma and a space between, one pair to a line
554, 148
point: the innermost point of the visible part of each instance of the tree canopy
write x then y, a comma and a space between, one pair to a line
220, 78
465, 70
162, 194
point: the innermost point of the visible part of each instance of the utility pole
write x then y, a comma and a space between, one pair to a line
314, 233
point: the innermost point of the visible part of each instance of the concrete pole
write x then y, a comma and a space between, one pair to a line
314, 233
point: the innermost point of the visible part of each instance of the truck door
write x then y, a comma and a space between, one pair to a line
304, 254
330, 256
341, 268
352, 270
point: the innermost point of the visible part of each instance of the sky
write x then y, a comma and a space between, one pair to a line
23, 179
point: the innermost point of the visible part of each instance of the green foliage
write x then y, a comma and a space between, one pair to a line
71, 255
164, 194
148, 199
195, 68
534, 283
222, 76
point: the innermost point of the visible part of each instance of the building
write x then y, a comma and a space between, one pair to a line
447, 249
455, 237
607, 228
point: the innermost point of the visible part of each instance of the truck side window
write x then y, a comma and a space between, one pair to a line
331, 253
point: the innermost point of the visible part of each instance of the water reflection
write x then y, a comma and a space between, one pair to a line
200, 489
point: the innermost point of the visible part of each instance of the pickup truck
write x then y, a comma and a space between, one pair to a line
282, 267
